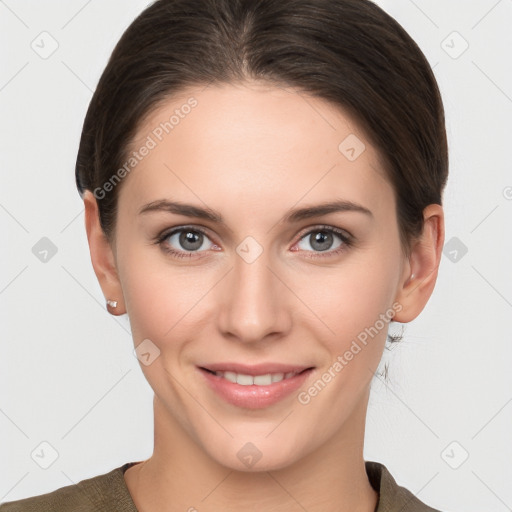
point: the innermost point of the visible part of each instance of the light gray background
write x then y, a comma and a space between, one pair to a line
68, 373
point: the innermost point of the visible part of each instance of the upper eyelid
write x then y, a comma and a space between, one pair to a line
326, 227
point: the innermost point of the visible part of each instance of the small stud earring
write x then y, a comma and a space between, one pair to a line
412, 276
112, 303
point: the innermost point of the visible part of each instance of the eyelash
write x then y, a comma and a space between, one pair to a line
347, 241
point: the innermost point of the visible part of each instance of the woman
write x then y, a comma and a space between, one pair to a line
262, 185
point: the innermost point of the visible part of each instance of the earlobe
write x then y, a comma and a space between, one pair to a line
102, 257
420, 274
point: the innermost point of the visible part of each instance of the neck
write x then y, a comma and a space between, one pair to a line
180, 476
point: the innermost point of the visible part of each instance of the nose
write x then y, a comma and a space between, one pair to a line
253, 302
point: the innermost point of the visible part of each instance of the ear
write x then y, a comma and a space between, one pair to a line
420, 272
102, 256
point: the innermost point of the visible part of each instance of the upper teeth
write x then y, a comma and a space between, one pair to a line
259, 380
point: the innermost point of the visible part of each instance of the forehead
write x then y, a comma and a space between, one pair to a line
252, 147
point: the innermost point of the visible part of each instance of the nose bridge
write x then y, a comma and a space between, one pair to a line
254, 305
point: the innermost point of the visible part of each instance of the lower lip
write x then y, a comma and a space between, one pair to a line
254, 396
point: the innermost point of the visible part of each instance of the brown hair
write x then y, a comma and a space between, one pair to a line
349, 52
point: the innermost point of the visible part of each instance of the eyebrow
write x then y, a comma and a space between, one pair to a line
292, 216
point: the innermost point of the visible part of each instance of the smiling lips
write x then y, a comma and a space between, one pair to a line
257, 386
258, 380
262, 374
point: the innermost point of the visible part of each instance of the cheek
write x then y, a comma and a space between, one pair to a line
165, 303
158, 303
353, 296
356, 304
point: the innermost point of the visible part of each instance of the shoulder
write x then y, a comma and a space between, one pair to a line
392, 497
105, 492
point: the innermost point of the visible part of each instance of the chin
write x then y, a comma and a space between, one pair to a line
259, 455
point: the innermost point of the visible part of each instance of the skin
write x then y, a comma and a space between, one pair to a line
252, 152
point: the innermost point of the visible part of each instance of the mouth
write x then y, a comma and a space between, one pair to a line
244, 379
254, 387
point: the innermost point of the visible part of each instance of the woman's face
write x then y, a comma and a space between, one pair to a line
238, 282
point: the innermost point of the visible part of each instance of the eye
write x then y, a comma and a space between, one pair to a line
325, 239
184, 242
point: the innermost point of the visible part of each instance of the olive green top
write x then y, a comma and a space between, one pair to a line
109, 493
